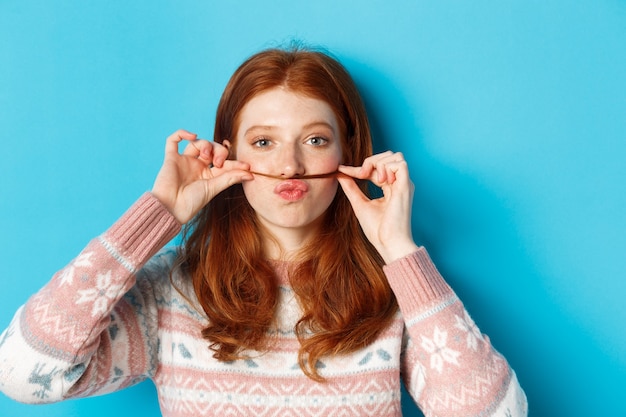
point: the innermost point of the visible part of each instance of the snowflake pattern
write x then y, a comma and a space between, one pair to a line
102, 295
439, 352
83, 260
467, 325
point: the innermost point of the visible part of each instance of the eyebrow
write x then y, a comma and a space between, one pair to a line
305, 127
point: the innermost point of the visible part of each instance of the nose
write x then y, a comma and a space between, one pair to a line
290, 162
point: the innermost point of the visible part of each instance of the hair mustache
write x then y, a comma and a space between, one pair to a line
300, 177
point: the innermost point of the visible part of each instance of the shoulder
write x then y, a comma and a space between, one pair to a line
164, 260
160, 273
163, 278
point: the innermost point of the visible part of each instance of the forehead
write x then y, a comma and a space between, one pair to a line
282, 108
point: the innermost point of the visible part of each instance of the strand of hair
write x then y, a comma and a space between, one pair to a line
302, 177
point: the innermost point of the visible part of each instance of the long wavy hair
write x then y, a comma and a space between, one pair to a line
338, 279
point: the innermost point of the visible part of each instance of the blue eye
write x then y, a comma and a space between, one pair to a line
317, 141
262, 143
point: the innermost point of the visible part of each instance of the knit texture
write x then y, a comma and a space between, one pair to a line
119, 313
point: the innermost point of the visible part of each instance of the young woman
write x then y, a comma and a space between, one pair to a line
293, 293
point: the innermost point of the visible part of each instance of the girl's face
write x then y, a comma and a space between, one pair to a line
289, 135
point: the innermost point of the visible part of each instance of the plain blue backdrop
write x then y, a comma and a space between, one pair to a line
511, 114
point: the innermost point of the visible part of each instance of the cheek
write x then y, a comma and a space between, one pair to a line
328, 189
251, 194
250, 189
326, 164
331, 164
259, 191
256, 162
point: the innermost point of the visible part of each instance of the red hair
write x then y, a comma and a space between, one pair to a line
338, 281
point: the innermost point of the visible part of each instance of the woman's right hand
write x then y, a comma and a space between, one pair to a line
188, 181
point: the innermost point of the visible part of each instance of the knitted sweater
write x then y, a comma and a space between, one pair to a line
116, 316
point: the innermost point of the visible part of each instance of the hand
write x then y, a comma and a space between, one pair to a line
386, 221
188, 181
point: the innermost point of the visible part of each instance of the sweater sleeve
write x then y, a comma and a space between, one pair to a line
450, 368
90, 330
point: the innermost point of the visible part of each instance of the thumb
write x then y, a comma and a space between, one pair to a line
198, 194
352, 191
219, 183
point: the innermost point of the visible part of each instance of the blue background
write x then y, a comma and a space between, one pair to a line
511, 114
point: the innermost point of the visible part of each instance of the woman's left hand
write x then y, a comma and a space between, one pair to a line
386, 221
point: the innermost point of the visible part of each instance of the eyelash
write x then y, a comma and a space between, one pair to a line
258, 142
320, 138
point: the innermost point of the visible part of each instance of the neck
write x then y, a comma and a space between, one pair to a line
283, 249
285, 244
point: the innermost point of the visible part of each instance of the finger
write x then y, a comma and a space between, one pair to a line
354, 172
397, 171
220, 154
370, 171
227, 179
230, 165
198, 148
390, 170
209, 152
370, 163
386, 167
380, 168
171, 144
369, 166
352, 191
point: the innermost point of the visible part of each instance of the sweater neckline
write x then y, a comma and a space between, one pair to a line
281, 269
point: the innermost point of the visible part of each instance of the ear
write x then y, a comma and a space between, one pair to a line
231, 151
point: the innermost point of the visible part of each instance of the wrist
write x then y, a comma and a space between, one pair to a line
397, 250
167, 204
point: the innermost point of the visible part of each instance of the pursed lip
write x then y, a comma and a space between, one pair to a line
291, 190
